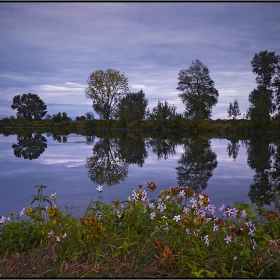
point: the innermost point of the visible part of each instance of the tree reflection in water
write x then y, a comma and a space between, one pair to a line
30, 146
112, 157
260, 154
105, 166
162, 147
196, 164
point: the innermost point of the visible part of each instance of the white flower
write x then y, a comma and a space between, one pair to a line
2, 220
119, 214
177, 218
206, 240
22, 212
186, 210
152, 215
182, 193
51, 233
222, 208
193, 201
57, 239
188, 231
243, 214
8, 219
65, 235
228, 239
161, 207
53, 196
99, 188
215, 228
151, 205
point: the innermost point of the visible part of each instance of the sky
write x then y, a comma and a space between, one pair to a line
50, 49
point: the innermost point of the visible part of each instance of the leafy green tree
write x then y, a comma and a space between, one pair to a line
30, 106
197, 91
106, 88
259, 113
233, 109
89, 116
162, 112
132, 107
59, 117
265, 65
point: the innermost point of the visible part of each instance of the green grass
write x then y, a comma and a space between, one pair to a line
176, 235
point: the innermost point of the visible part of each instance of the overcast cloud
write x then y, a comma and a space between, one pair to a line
50, 49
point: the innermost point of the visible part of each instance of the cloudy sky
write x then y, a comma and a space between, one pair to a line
50, 49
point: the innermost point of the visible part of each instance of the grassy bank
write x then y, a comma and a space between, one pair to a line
179, 125
180, 234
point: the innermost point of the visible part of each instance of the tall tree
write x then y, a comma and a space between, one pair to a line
233, 109
30, 106
197, 91
132, 107
264, 65
106, 88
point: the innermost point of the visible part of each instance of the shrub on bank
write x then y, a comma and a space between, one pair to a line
176, 235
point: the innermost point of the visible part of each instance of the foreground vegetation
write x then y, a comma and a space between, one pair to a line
180, 234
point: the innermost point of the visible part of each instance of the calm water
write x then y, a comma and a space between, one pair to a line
73, 166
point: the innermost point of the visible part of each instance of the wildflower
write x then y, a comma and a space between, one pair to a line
254, 243
251, 232
53, 197
116, 202
99, 188
2, 220
243, 214
64, 235
8, 219
151, 205
161, 207
222, 208
228, 239
188, 231
186, 210
211, 207
177, 218
57, 239
182, 193
51, 233
119, 214
215, 227
163, 217
193, 201
152, 215
22, 212
206, 240
52, 211
129, 198
29, 211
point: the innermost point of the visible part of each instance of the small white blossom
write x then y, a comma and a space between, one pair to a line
243, 214
22, 212
99, 188
51, 233
152, 215
222, 208
65, 235
215, 227
177, 218
206, 240
188, 231
228, 239
57, 239
182, 193
2, 220
186, 210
